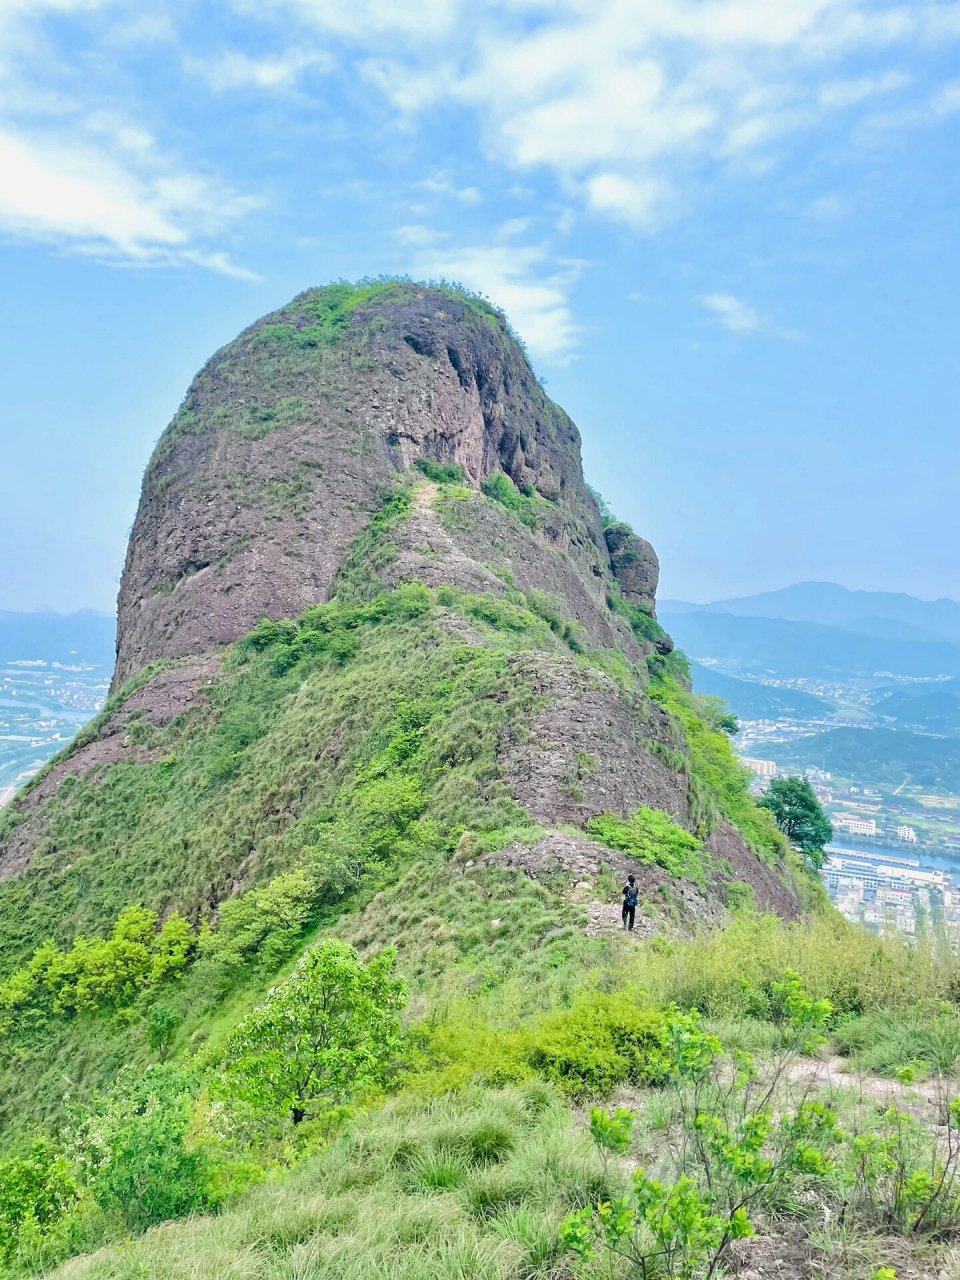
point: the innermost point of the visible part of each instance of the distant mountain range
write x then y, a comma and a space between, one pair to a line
883, 614
904, 650
751, 700
925, 708
777, 647
879, 755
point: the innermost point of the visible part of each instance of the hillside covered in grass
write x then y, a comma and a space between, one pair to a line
313, 937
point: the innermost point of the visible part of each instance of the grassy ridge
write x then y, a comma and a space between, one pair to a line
243, 786
340, 777
478, 1183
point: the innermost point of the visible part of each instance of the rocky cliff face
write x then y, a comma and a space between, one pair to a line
289, 436
353, 443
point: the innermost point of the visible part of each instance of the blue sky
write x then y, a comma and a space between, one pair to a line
727, 230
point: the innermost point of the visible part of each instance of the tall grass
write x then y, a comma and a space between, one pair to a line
730, 973
473, 1187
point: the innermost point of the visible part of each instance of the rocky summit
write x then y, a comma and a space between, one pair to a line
354, 441
288, 439
338, 871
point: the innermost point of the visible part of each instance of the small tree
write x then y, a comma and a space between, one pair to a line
718, 715
321, 1036
800, 816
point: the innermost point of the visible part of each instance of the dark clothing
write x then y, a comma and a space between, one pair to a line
630, 895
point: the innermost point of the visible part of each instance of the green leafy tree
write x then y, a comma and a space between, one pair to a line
800, 816
718, 715
323, 1035
36, 1187
137, 1154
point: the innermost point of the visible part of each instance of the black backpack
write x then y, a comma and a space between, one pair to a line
631, 895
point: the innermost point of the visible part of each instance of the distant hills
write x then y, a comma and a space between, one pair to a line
880, 755
901, 653
883, 614
786, 648
751, 700
925, 708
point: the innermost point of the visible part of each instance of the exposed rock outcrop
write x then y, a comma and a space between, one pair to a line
635, 565
288, 437
260, 501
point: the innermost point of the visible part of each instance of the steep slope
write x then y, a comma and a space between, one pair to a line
288, 477
385, 674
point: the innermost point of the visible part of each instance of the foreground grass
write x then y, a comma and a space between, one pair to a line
474, 1186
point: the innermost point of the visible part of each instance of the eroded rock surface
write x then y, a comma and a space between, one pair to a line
286, 441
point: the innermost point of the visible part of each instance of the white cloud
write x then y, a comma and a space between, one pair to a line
848, 93
947, 101
639, 201
239, 71
514, 227
830, 208
83, 197
441, 184
416, 235
634, 109
83, 175
531, 288
632, 106
367, 19
733, 313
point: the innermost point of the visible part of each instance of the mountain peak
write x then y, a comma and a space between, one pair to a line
290, 435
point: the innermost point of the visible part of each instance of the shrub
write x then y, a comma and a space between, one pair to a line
136, 1154
162, 1023
322, 1036
604, 1041
102, 972
441, 472
525, 506
263, 924
36, 1189
654, 839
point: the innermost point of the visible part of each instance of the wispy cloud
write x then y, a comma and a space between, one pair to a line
733, 313
90, 179
850, 93
947, 101
632, 106
122, 201
441, 184
633, 112
524, 279
234, 70
367, 20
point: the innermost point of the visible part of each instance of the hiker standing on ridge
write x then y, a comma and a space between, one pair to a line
630, 895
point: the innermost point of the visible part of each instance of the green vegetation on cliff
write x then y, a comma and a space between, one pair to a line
312, 939
408, 701
290, 347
